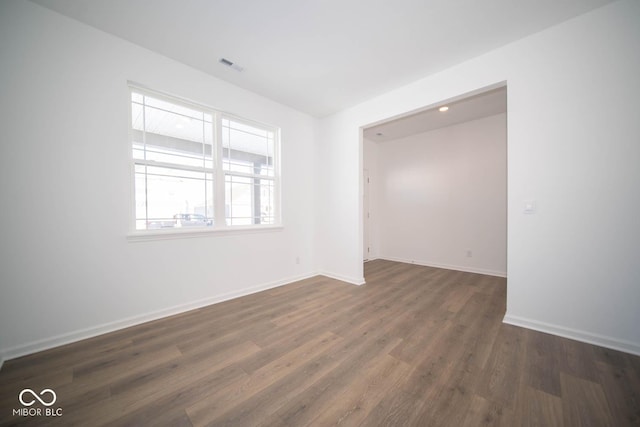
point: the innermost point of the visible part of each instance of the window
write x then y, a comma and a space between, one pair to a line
248, 162
199, 168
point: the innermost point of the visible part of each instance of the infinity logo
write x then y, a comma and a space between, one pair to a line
36, 397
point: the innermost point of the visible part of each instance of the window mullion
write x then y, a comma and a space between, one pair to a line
219, 181
152, 163
277, 181
144, 145
249, 175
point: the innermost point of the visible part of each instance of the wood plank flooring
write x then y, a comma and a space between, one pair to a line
415, 346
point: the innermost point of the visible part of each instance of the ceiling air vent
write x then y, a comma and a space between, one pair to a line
231, 64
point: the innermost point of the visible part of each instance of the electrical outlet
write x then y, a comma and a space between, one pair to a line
469, 253
297, 260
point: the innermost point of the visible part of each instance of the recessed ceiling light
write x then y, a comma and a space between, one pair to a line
443, 109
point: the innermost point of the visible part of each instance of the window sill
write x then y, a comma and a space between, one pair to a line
151, 235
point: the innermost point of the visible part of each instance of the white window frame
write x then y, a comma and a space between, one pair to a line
219, 175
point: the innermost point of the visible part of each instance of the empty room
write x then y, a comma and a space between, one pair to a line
409, 213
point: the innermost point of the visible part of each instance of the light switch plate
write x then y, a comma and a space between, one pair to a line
530, 207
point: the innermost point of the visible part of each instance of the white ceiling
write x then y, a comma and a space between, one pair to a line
321, 56
469, 108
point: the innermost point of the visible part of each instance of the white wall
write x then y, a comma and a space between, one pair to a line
66, 268
573, 146
443, 193
339, 220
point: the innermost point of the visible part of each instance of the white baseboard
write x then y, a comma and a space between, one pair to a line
447, 266
574, 334
70, 337
352, 280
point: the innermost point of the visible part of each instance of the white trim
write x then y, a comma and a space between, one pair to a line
277, 170
574, 334
447, 266
247, 175
169, 97
351, 280
70, 337
182, 233
218, 182
176, 166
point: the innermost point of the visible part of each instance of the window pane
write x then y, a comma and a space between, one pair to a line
169, 133
238, 200
249, 200
162, 122
247, 149
180, 157
266, 201
171, 107
137, 116
169, 198
136, 97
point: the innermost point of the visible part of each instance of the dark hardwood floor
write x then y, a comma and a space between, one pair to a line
415, 346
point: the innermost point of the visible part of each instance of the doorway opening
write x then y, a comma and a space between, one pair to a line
435, 185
